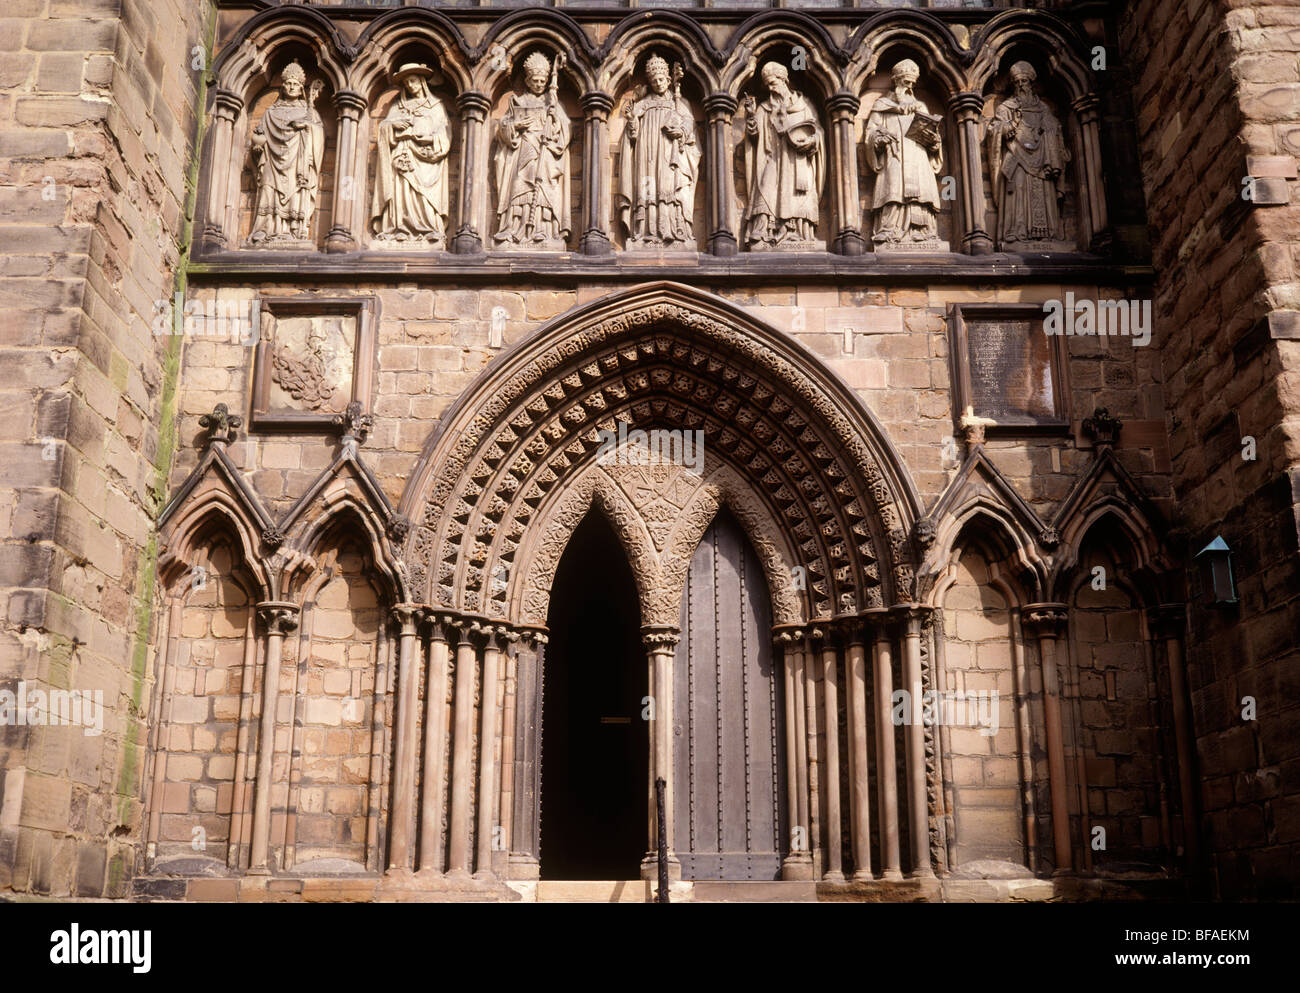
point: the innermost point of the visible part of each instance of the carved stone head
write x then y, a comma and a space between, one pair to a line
292, 80
413, 77
776, 78
1023, 76
905, 74
537, 70
656, 72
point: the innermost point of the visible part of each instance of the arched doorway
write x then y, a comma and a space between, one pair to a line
594, 742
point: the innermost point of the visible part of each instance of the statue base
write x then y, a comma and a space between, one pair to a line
406, 243
642, 252
529, 248
787, 246
1038, 246
282, 244
910, 247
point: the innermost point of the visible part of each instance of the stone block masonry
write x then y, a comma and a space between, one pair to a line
97, 126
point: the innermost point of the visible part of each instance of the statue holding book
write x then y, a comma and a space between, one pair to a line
905, 151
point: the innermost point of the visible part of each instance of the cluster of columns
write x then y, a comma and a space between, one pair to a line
842, 193
856, 653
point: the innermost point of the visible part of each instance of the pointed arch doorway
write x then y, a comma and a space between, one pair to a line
594, 745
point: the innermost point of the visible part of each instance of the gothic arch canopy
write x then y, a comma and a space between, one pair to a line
670, 357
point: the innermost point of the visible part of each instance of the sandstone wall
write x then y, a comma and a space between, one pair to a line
1217, 84
97, 122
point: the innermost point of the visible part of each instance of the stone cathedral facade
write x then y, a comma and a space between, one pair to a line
452, 441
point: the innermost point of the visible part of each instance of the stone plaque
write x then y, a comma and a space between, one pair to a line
1009, 370
314, 358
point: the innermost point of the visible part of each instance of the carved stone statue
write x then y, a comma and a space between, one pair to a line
905, 151
286, 146
410, 202
659, 160
1027, 157
784, 158
532, 162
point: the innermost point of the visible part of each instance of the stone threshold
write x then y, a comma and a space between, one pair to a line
414, 888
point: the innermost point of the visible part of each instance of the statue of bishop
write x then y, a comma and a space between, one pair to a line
286, 148
659, 160
785, 156
1027, 157
532, 163
905, 151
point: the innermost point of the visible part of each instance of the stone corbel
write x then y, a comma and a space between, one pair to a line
719, 108
848, 240
348, 188
226, 109
473, 173
967, 107
595, 179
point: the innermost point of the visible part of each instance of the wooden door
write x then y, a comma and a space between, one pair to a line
728, 726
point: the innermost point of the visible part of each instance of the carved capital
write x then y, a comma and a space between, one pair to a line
660, 639
407, 617
437, 624
532, 636
1102, 427
787, 634
221, 424
597, 104
843, 105
474, 105
1087, 107
879, 619
966, 107
719, 106
278, 617
226, 105
351, 105
1168, 620
1045, 620
913, 616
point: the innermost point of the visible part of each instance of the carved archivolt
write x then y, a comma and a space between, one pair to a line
661, 357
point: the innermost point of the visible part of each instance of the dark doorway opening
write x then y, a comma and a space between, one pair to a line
595, 745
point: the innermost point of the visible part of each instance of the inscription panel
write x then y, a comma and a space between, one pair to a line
1008, 370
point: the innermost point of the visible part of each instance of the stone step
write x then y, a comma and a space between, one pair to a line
593, 891
755, 891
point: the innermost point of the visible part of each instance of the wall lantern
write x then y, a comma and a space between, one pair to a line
1216, 572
